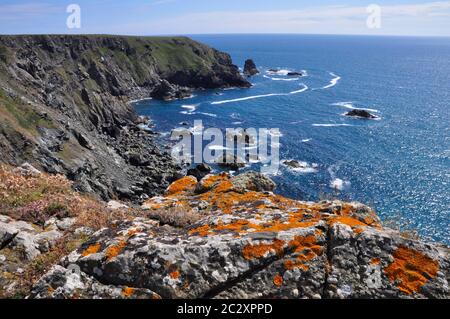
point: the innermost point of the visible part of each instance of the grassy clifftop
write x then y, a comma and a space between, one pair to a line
64, 104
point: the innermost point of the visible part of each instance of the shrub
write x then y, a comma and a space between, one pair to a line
175, 216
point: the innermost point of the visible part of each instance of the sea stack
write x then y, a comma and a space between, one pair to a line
250, 68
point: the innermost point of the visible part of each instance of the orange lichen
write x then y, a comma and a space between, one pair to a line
92, 249
355, 224
411, 270
305, 249
209, 181
278, 280
243, 226
258, 251
200, 231
115, 250
175, 274
127, 292
375, 261
182, 185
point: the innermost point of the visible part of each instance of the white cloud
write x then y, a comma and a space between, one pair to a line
26, 10
431, 18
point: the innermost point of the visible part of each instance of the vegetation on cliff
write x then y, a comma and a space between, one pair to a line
64, 105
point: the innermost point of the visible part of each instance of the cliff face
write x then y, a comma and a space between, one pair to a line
64, 105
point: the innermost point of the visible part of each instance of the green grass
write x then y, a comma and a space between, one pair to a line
5, 54
24, 115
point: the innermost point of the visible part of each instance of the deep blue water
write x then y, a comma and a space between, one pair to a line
399, 165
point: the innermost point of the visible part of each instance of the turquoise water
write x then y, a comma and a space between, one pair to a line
399, 164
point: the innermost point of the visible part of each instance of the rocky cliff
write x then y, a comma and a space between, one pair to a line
220, 237
64, 105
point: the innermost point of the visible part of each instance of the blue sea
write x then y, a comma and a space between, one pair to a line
398, 164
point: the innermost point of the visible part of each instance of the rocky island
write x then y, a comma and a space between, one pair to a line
90, 207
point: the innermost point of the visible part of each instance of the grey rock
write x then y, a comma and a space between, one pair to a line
7, 234
361, 113
253, 181
200, 171
28, 170
69, 282
65, 223
47, 240
250, 68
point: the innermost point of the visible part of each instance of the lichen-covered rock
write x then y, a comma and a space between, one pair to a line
63, 283
253, 181
260, 245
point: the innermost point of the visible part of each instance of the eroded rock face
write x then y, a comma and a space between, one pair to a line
255, 244
74, 92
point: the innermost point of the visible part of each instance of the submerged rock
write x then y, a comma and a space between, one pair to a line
294, 73
361, 113
250, 68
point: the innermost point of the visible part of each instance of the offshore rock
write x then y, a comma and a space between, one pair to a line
250, 68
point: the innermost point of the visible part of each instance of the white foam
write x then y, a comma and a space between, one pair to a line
306, 140
305, 167
140, 100
281, 79
333, 82
207, 114
339, 184
191, 107
219, 148
237, 123
330, 125
246, 98
279, 72
305, 88
274, 132
349, 105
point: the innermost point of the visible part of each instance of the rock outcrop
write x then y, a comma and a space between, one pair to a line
167, 92
250, 68
251, 243
65, 105
361, 114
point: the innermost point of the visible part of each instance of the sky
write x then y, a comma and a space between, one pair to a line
161, 17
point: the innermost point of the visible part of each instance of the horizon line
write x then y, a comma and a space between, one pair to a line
230, 33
